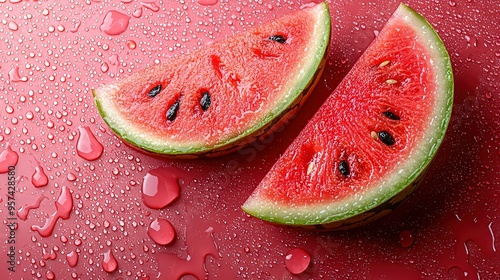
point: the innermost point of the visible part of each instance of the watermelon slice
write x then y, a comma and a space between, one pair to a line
225, 95
370, 143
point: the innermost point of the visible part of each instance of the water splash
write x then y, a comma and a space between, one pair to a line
200, 244
14, 75
64, 204
470, 228
23, 211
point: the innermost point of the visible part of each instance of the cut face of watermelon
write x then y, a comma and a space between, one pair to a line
370, 143
224, 95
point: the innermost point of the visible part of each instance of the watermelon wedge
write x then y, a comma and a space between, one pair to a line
370, 143
225, 95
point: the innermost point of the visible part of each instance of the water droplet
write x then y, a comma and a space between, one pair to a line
75, 26
50, 275
109, 263
29, 115
88, 147
14, 75
49, 255
137, 13
150, 6
71, 177
23, 211
13, 26
406, 238
207, 2
475, 228
9, 109
39, 178
131, 44
72, 258
113, 60
104, 67
161, 231
297, 260
64, 204
8, 159
115, 23
160, 187
199, 244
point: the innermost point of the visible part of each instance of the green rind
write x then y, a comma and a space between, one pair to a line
373, 205
301, 90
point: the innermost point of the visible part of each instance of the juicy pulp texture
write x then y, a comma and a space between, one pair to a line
253, 79
341, 166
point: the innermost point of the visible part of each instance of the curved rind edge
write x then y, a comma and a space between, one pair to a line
385, 204
303, 88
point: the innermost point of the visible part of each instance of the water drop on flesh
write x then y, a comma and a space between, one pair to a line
161, 231
297, 260
88, 147
160, 187
8, 159
115, 23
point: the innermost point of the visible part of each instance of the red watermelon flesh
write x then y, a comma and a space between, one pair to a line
369, 144
223, 95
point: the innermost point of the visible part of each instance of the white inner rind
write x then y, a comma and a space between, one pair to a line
299, 81
404, 173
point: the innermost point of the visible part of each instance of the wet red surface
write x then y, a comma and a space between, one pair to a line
53, 53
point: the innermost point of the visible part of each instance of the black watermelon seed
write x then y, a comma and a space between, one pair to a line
154, 91
391, 115
172, 111
205, 101
278, 38
386, 138
344, 168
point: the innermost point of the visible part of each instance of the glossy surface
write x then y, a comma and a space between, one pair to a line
52, 54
